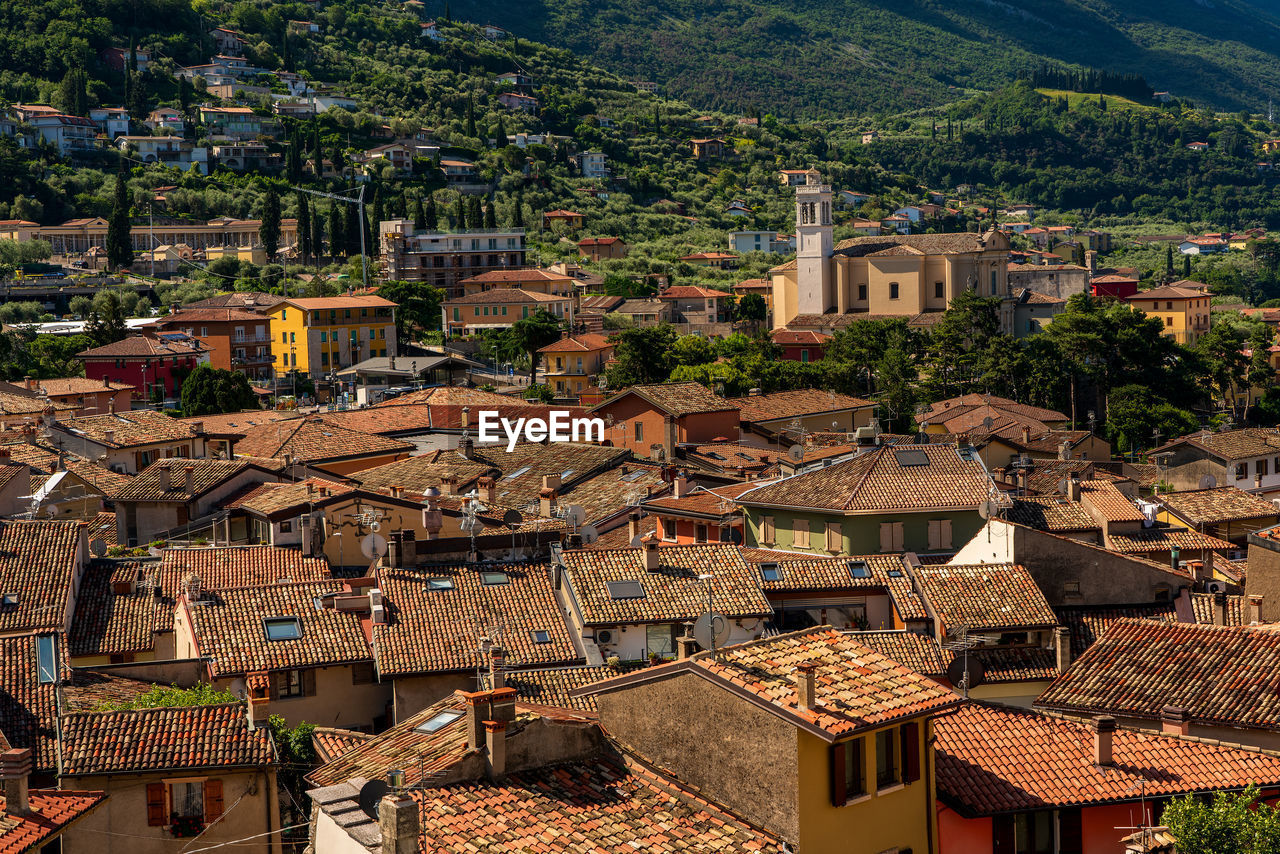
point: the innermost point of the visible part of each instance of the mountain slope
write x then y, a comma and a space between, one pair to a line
836, 57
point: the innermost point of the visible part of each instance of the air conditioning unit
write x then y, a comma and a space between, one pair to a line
379, 614
604, 636
375, 596
1215, 587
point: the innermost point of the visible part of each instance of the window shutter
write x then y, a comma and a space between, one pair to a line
910, 752
308, 683
157, 815
838, 794
1002, 835
944, 533
362, 673
274, 678
800, 533
897, 536
886, 536
212, 800
835, 537
935, 535
1070, 832
766, 528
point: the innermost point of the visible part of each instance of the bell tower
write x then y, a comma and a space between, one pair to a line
814, 245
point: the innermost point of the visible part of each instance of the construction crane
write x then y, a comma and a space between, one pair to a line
358, 200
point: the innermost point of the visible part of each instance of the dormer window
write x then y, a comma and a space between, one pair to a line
282, 628
859, 569
770, 572
627, 588
541, 636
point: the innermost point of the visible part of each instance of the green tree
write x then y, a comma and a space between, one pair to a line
304, 227
1222, 351
419, 215
317, 234
534, 332
692, 350
752, 308
1231, 823
642, 355
212, 391
500, 134
171, 696
490, 217
417, 307
1137, 417
119, 241
337, 232
269, 230
431, 215
106, 320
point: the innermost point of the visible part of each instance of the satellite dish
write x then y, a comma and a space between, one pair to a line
988, 423
98, 547
988, 508
370, 794
711, 628
373, 546
575, 515
375, 527
963, 666
1208, 482
637, 541
512, 518
796, 452
589, 534
735, 536
239, 688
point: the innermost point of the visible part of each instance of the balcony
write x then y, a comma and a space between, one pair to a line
251, 339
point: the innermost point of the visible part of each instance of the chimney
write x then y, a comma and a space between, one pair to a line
1208, 564
497, 657
681, 485
1104, 731
467, 448
495, 734
547, 501
688, 645
1026, 434
1255, 609
633, 526
1062, 648
1175, 721
805, 685
109, 436
398, 820
190, 472
1073, 489
163, 474
488, 490
1064, 450
396, 490
111, 405
649, 555
106, 382
259, 687
15, 771
551, 481
1219, 609
449, 484
669, 437
1091, 261
30, 383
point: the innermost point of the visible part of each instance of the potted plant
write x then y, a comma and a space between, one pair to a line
186, 826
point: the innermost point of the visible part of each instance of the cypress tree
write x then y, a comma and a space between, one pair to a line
339, 162
293, 160
119, 243
269, 230
419, 216
475, 216
317, 153
1168, 261
317, 234
1186, 266
471, 117
431, 216
337, 236
517, 211
137, 104
500, 135
490, 218
304, 228
460, 215
351, 231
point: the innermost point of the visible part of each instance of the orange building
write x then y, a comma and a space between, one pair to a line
652, 420
573, 362
699, 515
238, 340
599, 249
532, 280
88, 397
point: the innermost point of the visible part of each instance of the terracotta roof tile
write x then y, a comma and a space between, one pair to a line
168, 739
1050, 513
1211, 506
984, 596
584, 343
97, 690
671, 593
1012, 407
1105, 498
28, 709
166, 480
1227, 676
920, 477
677, 398
795, 403
1155, 540
1231, 445
316, 441
129, 429
225, 567
107, 622
433, 628
148, 346
419, 473
37, 560
999, 759
1088, 622
919, 652
331, 742
507, 296
52, 810
553, 686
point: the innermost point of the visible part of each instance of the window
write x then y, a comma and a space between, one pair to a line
862, 293
770, 572
1261, 467
800, 533
909, 741
1168, 321
627, 588
886, 758
324, 337
835, 537
438, 721
699, 533
890, 536
804, 355
289, 683
938, 290
186, 800
282, 628
859, 569
362, 673
1024, 833
492, 578
847, 770
893, 290
284, 314
1242, 471
541, 636
439, 583
939, 534
8, 601
639, 432
994, 286
766, 529
47, 659
660, 641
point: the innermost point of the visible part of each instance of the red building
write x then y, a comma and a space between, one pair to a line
1117, 287
154, 365
801, 345
653, 420
695, 515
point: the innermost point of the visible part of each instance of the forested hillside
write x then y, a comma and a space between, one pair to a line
836, 57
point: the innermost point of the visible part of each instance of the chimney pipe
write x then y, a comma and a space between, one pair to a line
805, 685
1026, 434
1062, 648
688, 645
163, 474
1175, 721
1104, 730
1219, 609
15, 771
669, 437
488, 490
682, 485
1255, 609
547, 501
190, 479
633, 526
399, 822
495, 733
1073, 489
649, 555
449, 484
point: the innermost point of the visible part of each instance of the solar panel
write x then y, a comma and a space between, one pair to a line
911, 457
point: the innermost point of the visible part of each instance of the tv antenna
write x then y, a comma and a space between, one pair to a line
964, 672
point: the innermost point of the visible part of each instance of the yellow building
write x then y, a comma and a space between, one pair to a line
498, 309
572, 363
318, 335
251, 254
1183, 307
900, 275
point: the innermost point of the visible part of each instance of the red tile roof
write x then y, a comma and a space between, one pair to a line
675, 398
1105, 498
433, 629
693, 291
225, 567
984, 596
169, 739
52, 811
37, 560
1212, 506
1151, 540
147, 346
1001, 759
316, 441
331, 742
166, 480
111, 623
796, 403
135, 428
584, 343
1228, 676
28, 709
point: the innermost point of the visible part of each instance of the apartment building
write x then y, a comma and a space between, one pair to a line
319, 335
444, 259
237, 340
